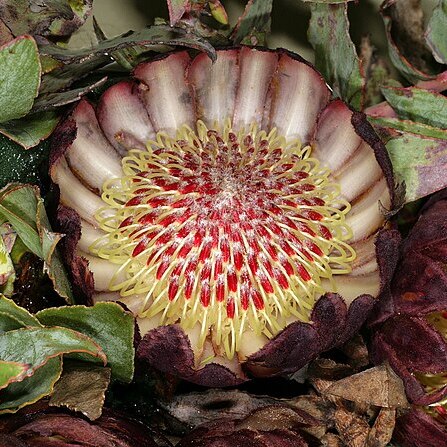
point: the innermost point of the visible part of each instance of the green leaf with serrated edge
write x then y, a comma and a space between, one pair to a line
12, 372
418, 104
35, 346
18, 165
47, 18
420, 162
176, 10
151, 36
23, 207
409, 126
9, 307
30, 130
335, 54
20, 77
31, 389
254, 25
400, 60
436, 34
107, 324
9, 323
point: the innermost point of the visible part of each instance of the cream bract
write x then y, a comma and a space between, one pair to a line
232, 206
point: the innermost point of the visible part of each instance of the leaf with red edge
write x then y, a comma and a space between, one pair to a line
436, 34
418, 153
12, 372
35, 346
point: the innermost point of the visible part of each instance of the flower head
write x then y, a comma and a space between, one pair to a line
222, 201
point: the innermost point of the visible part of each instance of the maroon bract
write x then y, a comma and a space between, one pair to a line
232, 207
410, 327
42, 426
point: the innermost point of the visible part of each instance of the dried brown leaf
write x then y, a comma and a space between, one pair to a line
319, 408
328, 369
353, 429
206, 406
382, 430
378, 386
331, 440
277, 417
82, 388
357, 352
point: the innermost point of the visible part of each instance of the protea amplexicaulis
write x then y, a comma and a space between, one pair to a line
232, 206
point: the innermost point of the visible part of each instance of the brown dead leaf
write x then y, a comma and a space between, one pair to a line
382, 430
408, 30
82, 388
357, 352
277, 417
331, 440
353, 429
378, 386
318, 407
328, 369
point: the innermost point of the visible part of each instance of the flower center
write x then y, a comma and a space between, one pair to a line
232, 231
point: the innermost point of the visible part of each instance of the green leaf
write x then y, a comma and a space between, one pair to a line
436, 34
335, 54
18, 205
9, 323
129, 57
48, 18
81, 388
23, 207
150, 36
11, 372
53, 265
31, 389
20, 77
32, 129
7, 272
57, 81
418, 104
58, 99
419, 161
18, 165
409, 126
105, 323
10, 308
254, 25
35, 346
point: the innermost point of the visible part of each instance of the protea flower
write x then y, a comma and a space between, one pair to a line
410, 328
232, 206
